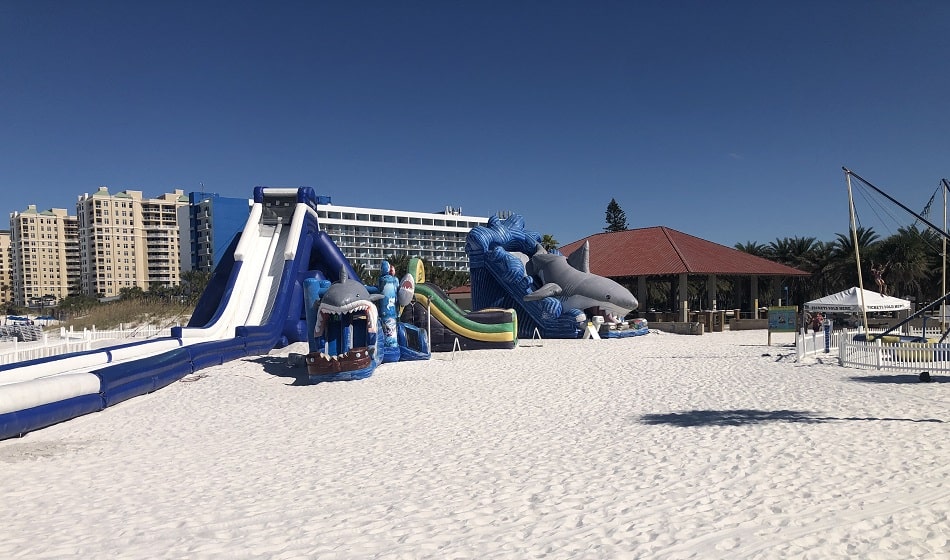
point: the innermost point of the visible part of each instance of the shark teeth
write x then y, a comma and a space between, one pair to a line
326, 310
338, 357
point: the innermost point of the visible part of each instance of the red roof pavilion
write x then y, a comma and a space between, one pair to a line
659, 250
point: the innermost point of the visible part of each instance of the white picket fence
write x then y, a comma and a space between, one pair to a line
74, 341
897, 356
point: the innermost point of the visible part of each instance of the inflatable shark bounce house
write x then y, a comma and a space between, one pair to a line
550, 292
354, 328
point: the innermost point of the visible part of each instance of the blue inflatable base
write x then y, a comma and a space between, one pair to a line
625, 333
407, 354
343, 375
19, 422
413, 343
390, 354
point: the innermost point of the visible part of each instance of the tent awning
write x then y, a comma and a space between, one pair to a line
849, 301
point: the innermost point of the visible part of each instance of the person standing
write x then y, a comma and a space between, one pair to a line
878, 272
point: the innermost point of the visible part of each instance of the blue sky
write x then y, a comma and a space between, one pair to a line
725, 120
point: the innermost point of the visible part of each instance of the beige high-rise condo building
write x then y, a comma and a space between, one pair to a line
6, 269
44, 256
127, 241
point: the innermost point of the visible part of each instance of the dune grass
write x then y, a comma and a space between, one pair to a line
131, 314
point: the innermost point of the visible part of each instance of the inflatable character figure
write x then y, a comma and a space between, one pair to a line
388, 314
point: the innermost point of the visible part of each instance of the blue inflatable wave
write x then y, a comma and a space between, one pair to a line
499, 279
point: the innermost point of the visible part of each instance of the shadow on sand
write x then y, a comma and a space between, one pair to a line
896, 378
279, 366
742, 417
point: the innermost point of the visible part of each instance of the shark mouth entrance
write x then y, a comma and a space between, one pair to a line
348, 335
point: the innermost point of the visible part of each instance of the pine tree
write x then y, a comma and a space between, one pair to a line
616, 218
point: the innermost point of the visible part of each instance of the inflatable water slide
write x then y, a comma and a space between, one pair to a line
549, 292
253, 303
449, 325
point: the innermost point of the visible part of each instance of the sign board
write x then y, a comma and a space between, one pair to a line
783, 319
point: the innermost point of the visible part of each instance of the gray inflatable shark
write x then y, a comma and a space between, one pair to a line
346, 296
570, 280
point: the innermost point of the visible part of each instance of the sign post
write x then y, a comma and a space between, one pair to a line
783, 319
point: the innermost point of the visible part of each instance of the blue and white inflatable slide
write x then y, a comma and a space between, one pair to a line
253, 303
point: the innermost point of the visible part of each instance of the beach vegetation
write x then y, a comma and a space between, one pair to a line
365, 274
913, 257
548, 242
753, 248
444, 278
139, 311
616, 217
910, 256
161, 306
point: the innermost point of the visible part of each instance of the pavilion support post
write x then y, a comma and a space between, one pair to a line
711, 292
683, 292
754, 295
642, 295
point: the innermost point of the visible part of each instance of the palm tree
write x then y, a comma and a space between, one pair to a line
193, 284
824, 275
801, 253
754, 248
844, 268
742, 286
909, 255
73, 305
446, 278
134, 292
797, 252
548, 242
661, 292
365, 275
866, 238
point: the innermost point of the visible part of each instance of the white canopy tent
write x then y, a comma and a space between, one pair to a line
849, 301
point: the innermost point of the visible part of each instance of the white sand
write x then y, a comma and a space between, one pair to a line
661, 446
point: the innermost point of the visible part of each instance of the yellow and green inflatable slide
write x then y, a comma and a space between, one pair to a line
447, 323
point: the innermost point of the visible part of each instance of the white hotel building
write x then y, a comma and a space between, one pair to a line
368, 235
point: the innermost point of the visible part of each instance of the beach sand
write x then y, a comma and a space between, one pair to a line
659, 446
